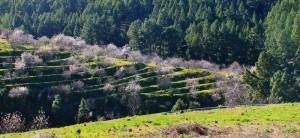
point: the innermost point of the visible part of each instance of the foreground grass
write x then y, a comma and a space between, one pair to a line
286, 115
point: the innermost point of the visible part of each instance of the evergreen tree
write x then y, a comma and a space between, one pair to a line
296, 30
56, 107
83, 111
276, 72
179, 105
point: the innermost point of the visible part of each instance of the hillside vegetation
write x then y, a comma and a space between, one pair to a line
64, 62
72, 82
272, 120
216, 30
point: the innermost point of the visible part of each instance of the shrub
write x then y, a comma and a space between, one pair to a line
27, 60
106, 62
236, 68
12, 122
194, 104
66, 74
61, 89
123, 71
18, 38
65, 42
40, 121
163, 69
233, 89
77, 85
5, 33
47, 52
120, 72
133, 86
125, 51
113, 51
164, 82
192, 84
97, 72
18, 92
131, 70
172, 91
154, 58
134, 102
77, 67
179, 105
92, 52
108, 88
44, 40
136, 57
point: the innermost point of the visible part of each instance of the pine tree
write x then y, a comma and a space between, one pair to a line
83, 111
259, 81
296, 30
265, 66
276, 88
56, 105
88, 32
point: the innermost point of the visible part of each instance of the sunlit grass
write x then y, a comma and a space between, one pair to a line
139, 125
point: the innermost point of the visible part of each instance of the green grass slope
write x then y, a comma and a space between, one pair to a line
282, 120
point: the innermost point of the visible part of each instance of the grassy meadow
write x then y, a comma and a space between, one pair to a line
281, 119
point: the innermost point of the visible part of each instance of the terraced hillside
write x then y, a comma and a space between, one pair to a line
280, 120
53, 71
103, 80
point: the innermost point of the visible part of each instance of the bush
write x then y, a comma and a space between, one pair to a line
163, 69
133, 87
61, 89
164, 82
194, 104
12, 122
27, 60
179, 105
233, 88
134, 102
77, 85
40, 121
18, 92
108, 88
19, 38
193, 84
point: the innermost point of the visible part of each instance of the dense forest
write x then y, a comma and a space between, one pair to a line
277, 75
123, 54
218, 31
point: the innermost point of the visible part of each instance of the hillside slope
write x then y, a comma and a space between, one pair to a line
112, 85
280, 120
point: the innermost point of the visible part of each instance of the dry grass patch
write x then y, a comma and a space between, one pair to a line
192, 129
44, 135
